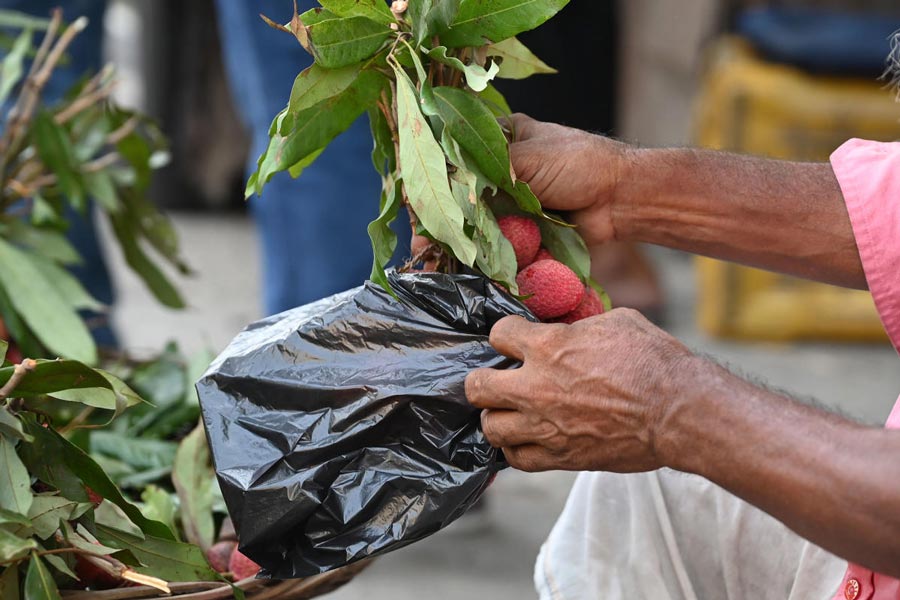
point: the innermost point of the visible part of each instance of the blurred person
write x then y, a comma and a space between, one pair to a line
311, 230
698, 483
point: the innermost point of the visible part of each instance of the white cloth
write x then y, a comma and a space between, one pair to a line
671, 536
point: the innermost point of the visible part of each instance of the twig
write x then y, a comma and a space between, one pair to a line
81, 103
19, 372
123, 131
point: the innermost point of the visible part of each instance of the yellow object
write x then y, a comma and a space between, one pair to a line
748, 105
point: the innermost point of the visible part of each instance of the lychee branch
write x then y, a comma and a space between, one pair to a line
19, 372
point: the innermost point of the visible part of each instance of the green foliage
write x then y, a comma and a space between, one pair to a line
53, 160
438, 145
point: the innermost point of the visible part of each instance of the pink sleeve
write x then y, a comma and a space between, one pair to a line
869, 176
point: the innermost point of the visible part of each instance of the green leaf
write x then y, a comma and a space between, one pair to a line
155, 280
154, 226
101, 187
297, 168
604, 297
566, 246
167, 559
11, 427
497, 20
477, 77
59, 563
375, 10
43, 307
495, 101
9, 582
50, 243
11, 69
138, 453
50, 376
13, 19
47, 511
55, 149
117, 398
516, 60
44, 213
425, 175
15, 482
340, 41
314, 128
193, 478
383, 151
4, 347
67, 285
72, 463
430, 17
7, 517
13, 547
316, 84
159, 506
477, 131
83, 540
25, 339
39, 584
384, 240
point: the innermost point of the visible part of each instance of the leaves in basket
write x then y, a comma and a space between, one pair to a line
167, 559
193, 478
39, 584
15, 482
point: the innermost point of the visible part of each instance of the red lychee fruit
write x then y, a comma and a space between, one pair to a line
241, 566
589, 306
543, 254
553, 289
93, 497
93, 577
219, 555
524, 235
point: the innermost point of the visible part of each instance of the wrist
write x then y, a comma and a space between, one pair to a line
633, 172
681, 436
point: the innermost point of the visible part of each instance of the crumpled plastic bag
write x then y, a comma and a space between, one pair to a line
340, 430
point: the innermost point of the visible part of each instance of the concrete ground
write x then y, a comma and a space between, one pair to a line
489, 556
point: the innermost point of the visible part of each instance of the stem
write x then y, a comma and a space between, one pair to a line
19, 372
80, 104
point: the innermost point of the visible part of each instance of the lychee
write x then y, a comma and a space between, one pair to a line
93, 497
524, 235
553, 289
93, 577
219, 555
241, 566
543, 254
590, 305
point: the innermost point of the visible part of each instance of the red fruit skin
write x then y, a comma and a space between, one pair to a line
524, 235
543, 254
93, 497
219, 555
241, 566
553, 289
589, 306
93, 577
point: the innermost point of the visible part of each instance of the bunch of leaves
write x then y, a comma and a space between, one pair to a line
53, 159
422, 71
63, 520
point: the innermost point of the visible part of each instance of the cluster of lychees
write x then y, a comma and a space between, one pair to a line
550, 289
224, 557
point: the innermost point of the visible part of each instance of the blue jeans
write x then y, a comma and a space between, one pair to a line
313, 229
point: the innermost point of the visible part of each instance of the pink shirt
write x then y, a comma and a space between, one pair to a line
869, 176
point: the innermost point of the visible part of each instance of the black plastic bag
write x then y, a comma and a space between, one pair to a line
340, 429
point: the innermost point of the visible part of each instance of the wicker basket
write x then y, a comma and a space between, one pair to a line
254, 589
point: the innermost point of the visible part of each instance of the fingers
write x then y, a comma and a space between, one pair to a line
529, 458
490, 388
511, 336
505, 428
522, 126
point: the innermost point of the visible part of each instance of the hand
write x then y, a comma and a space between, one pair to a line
589, 396
570, 170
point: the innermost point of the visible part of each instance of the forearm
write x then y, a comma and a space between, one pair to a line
782, 216
832, 481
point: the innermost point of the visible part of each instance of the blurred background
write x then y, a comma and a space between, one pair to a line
785, 79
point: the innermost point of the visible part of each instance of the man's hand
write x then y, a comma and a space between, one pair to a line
589, 396
570, 170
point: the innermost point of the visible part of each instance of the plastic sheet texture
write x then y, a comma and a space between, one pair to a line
340, 430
